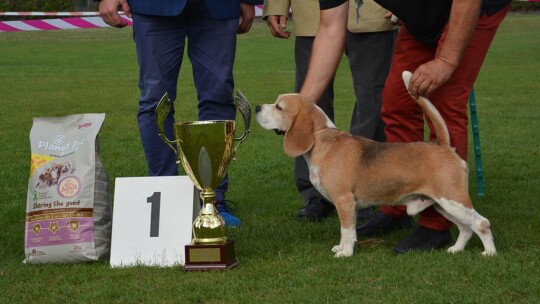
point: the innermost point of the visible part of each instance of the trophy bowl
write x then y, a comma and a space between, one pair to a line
206, 149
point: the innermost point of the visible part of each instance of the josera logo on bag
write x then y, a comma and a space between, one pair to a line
85, 125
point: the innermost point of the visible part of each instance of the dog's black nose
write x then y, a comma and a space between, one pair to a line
257, 108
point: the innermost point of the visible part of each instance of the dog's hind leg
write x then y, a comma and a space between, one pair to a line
346, 210
482, 227
473, 220
417, 205
465, 232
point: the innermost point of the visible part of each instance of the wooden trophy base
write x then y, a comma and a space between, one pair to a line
202, 257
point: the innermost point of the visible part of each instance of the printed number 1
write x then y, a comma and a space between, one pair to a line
155, 200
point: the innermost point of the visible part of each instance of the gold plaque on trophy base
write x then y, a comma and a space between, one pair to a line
210, 257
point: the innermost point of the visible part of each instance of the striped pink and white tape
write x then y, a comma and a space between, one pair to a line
79, 20
56, 14
55, 24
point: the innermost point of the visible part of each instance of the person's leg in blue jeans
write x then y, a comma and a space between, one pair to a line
160, 43
211, 50
160, 46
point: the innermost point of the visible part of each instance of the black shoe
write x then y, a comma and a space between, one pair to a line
315, 209
364, 214
424, 239
382, 224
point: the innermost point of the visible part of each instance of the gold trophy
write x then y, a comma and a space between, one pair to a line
205, 149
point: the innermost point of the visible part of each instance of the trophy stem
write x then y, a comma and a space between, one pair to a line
209, 226
213, 251
208, 197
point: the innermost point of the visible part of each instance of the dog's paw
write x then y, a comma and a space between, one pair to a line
337, 248
341, 252
455, 249
488, 253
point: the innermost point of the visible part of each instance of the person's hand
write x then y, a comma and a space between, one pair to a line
393, 18
277, 25
430, 76
247, 15
108, 10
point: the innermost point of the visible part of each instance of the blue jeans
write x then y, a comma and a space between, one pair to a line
160, 43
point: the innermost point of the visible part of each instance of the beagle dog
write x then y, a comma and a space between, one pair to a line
352, 171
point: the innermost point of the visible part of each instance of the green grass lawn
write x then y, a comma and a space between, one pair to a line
57, 73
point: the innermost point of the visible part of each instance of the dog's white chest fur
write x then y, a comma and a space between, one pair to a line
314, 177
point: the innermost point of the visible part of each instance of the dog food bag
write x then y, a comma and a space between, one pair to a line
68, 211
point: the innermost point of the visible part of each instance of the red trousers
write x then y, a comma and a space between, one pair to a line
404, 119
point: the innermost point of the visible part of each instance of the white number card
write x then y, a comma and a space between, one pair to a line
152, 220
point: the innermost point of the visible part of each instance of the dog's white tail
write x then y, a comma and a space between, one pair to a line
443, 137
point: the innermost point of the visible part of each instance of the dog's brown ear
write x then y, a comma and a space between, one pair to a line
299, 138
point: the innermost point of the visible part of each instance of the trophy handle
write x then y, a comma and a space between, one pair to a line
162, 111
243, 106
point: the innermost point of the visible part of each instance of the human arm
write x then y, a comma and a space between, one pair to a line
326, 52
247, 15
108, 10
275, 12
278, 25
429, 76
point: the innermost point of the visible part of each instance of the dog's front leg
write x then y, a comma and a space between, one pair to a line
346, 210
